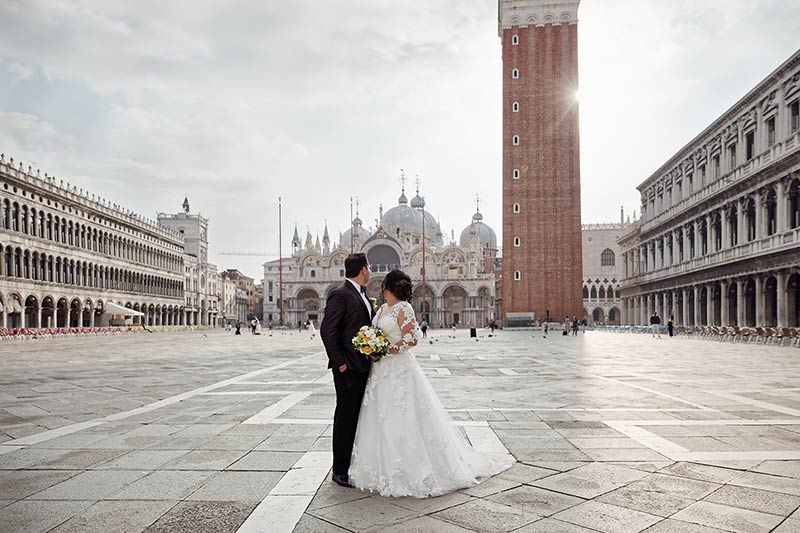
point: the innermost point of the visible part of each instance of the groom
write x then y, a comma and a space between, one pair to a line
348, 309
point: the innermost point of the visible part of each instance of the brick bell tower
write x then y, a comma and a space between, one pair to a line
542, 260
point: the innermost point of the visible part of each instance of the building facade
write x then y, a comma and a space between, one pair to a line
718, 242
201, 294
248, 285
541, 164
66, 255
602, 272
459, 277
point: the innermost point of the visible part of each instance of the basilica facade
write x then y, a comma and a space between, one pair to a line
454, 281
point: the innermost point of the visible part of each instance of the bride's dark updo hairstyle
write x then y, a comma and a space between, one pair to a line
398, 283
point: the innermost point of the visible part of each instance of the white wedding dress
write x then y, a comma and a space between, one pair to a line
406, 444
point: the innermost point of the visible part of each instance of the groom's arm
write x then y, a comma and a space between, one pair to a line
331, 327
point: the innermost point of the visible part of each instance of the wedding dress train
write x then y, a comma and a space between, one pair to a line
406, 444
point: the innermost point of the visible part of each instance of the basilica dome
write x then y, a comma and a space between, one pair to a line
360, 234
404, 219
486, 235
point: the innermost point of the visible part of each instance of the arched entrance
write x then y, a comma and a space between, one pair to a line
770, 302
48, 312
32, 312
453, 304
15, 311
733, 304
704, 318
98, 313
793, 300
86, 314
308, 304
75, 310
598, 316
613, 316
423, 299
750, 303
716, 297
485, 305
62, 313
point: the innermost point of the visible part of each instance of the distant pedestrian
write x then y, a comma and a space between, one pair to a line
473, 331
567, 325
655, 324
576, 325
312, 329
423, 326
492, 325
253, 326
238, 328
671, 325
546, 329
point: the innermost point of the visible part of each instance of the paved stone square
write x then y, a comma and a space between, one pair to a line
213, 432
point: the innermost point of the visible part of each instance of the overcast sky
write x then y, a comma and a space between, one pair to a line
235, 103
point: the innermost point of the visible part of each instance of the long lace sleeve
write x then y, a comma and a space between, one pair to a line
409, 331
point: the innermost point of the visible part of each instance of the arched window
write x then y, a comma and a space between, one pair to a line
607, 257
517, 241
313, 273
516, 208
515, 140
593, 294
517, 275
515, 39
514, 73
515, 107
585, 292
602, 294
515, 174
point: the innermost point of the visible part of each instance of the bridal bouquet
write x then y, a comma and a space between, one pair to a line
372, 342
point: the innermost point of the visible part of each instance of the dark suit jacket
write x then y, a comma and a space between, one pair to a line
345, 313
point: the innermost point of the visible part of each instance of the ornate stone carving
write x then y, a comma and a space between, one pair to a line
536, 13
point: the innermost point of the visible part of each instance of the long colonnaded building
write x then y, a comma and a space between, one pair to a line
718, 243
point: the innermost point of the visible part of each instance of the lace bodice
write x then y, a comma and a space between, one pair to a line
400, 324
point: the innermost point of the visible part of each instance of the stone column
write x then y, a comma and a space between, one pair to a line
780, 208
780, 292
91, 318
723, 312
697, 321
759, 301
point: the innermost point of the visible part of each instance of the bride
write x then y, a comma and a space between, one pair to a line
406, 444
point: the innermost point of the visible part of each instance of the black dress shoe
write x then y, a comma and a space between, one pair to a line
342, 480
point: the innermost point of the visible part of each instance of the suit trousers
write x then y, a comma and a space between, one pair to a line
350, 386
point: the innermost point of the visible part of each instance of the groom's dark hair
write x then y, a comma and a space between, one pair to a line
353, 264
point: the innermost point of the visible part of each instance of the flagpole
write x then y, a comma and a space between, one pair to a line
280, 263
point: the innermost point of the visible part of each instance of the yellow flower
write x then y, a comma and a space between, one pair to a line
366, 350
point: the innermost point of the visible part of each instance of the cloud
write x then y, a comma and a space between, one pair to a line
236, 103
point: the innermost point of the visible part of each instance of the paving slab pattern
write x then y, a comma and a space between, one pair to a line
212, 432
